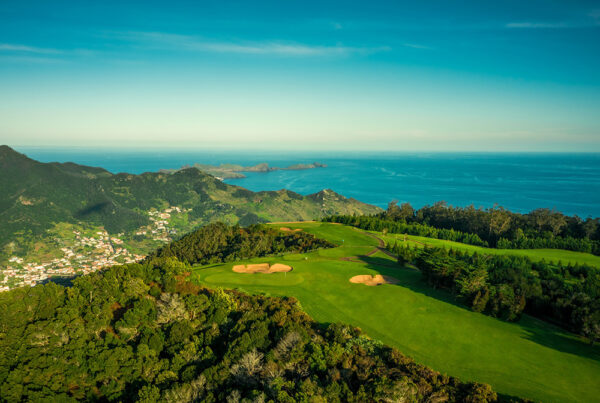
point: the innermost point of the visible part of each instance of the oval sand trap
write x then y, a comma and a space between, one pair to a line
378, 279
264, 268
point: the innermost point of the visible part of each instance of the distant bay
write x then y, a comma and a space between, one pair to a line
520, 182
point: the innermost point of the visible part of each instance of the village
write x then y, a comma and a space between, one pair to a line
87, 254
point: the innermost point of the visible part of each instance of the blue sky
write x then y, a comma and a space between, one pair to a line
471, 75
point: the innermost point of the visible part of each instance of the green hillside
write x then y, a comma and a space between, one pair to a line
144, 332
36, 197
530, 358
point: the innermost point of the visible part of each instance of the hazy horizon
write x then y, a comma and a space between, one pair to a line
260, 150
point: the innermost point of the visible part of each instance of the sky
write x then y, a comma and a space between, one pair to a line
301, 75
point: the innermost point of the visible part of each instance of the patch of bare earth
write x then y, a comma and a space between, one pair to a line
25, 202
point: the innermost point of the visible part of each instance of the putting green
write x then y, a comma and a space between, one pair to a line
530, 359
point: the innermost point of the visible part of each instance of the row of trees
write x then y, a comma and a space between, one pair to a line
218, 242
568, 243
143, 332
541, 226
495, 227
507, 286
373, 223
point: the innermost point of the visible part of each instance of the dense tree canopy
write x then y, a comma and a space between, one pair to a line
144, 332
221, 243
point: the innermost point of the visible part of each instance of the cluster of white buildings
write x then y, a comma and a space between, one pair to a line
87, 253
159, 229
160, 225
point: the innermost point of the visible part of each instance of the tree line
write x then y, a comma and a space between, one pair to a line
374, 223
507, 286
217, 242
145, 332
495, 227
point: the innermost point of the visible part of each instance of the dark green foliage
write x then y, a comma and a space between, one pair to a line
507, 286
375, 223
145, 333
496, 227
249, 219
216, 243
243, 193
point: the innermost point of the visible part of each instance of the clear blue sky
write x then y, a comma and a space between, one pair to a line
469, 75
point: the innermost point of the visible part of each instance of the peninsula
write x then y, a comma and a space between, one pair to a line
233, 171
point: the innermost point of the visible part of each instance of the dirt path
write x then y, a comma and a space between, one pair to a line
380, 248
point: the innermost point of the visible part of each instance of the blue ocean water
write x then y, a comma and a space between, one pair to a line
520, 182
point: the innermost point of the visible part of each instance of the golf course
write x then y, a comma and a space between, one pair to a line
530, 358
550, 255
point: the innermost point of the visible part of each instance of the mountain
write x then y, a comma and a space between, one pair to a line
37, 197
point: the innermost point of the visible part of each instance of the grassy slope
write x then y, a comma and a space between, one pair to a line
530, 358
555, 255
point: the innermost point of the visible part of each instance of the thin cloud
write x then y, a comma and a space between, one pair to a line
589, 20
536, 25
29, 59
193, 44
275, 48
416, 46
7, 47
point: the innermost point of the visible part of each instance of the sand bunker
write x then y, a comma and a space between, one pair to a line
262, 268
378, 279
286, 229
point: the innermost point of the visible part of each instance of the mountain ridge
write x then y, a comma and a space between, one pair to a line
39, 196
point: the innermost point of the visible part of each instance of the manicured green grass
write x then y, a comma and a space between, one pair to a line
530, 359
554, 255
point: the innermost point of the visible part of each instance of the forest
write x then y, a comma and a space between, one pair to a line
507, 286
495, 227
144, 332
217, 243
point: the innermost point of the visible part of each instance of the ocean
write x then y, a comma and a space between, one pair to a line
520, 182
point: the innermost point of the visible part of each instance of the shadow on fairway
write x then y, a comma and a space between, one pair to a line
558, 339
537, 331
409, 278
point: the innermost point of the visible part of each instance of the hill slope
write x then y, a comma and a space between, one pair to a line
144, 332
37, 198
